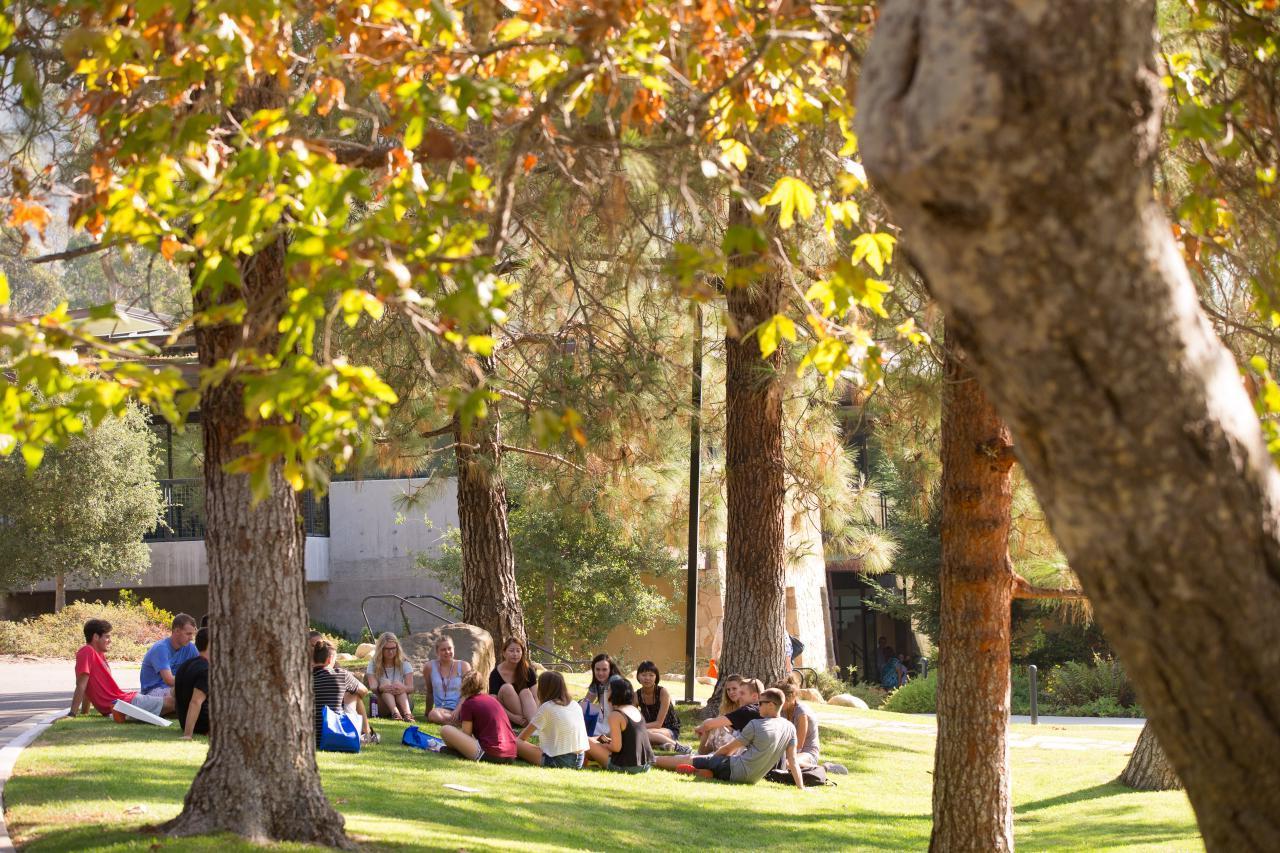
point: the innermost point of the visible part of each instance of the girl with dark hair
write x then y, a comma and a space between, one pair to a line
658, 710
595, 706
562, 735
512, 681
626, 748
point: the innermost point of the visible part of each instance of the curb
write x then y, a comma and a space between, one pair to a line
28, 730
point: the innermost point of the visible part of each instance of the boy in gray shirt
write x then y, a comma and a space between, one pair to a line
754, 752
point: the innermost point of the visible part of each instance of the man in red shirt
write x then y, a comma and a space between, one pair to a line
483, 732
96, 686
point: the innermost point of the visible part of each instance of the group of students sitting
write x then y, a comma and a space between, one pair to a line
493, 718
174, 677
615, 725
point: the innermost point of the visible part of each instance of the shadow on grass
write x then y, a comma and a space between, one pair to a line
1108, 789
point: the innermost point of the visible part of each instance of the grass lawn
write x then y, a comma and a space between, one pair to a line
89, 783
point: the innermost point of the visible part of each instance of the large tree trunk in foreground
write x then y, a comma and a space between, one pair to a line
259, 779
755, 562
1015, 144
1149, 768
971, 797
490, 598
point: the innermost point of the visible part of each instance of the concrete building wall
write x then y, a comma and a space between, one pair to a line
806, 585
373, 545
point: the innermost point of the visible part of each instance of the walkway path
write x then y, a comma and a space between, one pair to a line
1056, 736
32, 695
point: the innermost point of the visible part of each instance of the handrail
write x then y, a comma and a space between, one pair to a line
557, 660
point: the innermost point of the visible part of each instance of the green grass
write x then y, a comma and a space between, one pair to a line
91, 784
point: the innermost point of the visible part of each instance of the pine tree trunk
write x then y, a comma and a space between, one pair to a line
259, 779
755, 567
971, 795
1015, 144
490, 599
59, 592
1149, 768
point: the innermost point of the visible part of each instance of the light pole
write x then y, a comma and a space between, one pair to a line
695, 482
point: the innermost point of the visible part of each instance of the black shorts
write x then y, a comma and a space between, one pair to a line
717, 764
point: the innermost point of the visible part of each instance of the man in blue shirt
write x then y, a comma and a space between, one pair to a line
165, 656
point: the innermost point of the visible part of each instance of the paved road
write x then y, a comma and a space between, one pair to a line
28, 689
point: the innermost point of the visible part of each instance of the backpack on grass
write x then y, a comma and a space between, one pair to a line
814, 777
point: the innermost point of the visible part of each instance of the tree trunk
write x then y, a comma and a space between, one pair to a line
1149, 768
259, 779
1015, 143
59, 592
971, 797
490, 598
755, 567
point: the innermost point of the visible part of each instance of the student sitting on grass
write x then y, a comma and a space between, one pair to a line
390, 678
720, 731
709, 740
806, 726
165, 656
659, 712
191, 690
626, 748
562, 735
444, 676
512, 682
338, 690
756, 750
482, 732
96, 686
595, 705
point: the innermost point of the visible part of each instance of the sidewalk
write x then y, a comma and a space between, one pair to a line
1053, 738
33, 688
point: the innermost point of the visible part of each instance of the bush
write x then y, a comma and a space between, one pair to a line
338, 638
135, 625
1104, 707
872, 694
917, 696
1077, 684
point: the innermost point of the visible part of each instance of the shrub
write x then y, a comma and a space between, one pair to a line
135, 626
1103, 707
1078, 684
917, 696
873, 695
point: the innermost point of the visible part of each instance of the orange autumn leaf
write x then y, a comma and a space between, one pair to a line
27, 213
530, 160
169, 247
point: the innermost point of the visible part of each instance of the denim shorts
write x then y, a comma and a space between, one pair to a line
570, 760
717, 764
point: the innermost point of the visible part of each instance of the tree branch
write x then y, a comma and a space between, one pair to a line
1024, 589
553, 457
74, 253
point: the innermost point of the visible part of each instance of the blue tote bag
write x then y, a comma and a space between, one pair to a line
418, 739
339, 732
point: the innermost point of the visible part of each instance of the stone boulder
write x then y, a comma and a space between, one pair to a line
808, 694
364, 651
471, 644
847, 701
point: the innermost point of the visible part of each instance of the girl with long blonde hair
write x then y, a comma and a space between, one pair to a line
390, 678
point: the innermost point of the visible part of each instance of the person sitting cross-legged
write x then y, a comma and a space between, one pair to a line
165, 656
562, 732
807, 753
338, 690
95, 685
191, 690
659, 711
482, 732
626, 748
390, 678
444, 677
756, 750
512, 681
720, 731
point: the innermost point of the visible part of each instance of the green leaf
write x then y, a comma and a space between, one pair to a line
33, 453
792, 196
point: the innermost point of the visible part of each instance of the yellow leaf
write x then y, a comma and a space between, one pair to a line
792, 196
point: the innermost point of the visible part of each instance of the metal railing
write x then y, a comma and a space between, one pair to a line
550, 660
184, 516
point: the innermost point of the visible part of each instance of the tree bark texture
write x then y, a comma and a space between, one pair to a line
1149, 768
259, 779
59, 592
1015, 142
490, 599
971, 794
755, 564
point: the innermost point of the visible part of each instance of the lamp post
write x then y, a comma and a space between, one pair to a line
695, 482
